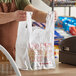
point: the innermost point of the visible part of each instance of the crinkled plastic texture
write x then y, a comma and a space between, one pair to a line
35, 46
39, 52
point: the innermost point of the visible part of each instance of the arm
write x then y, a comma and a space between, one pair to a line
38, 15
6, 17
12, 16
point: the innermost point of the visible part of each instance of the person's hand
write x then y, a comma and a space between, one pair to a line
20, 15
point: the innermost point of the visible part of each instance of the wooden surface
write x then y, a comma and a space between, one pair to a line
61, 70
3, 57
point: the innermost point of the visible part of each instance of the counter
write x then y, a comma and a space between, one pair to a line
61, 70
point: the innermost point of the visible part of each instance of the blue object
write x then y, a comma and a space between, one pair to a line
57, 38
66, 22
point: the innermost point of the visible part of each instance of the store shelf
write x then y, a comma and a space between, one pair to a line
64, 3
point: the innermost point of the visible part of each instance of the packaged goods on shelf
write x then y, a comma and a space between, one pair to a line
66, 23
56, 51
57, 38
63, 33
73, 30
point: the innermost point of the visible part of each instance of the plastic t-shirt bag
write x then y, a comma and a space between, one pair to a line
39, 52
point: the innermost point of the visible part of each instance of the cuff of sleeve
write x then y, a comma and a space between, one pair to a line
23, 4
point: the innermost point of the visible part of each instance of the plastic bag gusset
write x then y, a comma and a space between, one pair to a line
40, 44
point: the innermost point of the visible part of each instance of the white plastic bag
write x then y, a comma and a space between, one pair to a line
40, 45
39, 51
21, 44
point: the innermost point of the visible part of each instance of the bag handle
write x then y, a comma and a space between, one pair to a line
50, 21
29, 31
29, 22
